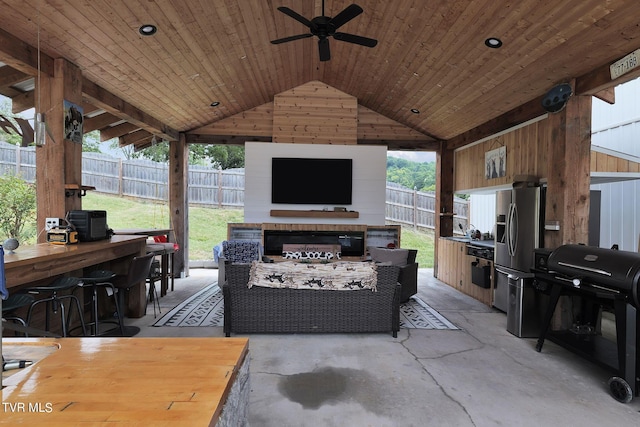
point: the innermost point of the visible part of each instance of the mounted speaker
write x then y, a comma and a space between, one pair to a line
556, 99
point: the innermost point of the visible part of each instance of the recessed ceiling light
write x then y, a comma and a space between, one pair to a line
493, 42
415, 111
215, 103
148, 29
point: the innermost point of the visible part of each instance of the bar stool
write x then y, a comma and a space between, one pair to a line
13, 303
94, 281
155, 274
54, 301
137, 273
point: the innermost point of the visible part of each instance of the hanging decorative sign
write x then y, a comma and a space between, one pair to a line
73, 122
624, 65
495, 163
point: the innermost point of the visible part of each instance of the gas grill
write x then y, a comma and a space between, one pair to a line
604, 280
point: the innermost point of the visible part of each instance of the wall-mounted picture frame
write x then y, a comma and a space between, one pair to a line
495, 163
73, 118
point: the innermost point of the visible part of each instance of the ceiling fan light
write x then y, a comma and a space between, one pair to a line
493, 42
148, 29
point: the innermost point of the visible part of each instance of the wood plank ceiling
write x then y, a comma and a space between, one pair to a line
431, 56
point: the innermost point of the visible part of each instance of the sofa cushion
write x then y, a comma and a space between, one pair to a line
339, 276
241, 251
389, 256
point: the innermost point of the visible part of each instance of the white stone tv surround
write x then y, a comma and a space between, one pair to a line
369, 181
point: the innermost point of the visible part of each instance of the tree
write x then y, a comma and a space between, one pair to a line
421, 176
91, 142
8, 129
17, 205
218, 156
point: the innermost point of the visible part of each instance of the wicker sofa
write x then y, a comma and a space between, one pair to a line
285, 310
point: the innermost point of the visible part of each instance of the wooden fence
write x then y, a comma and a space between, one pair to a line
210, 187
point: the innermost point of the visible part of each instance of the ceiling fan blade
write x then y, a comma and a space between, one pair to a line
296, 16
352, 38
291, 38
323, 47
346, 15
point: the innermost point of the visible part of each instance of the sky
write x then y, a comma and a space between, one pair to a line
414, 156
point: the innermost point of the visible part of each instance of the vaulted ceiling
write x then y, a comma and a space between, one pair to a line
431, 56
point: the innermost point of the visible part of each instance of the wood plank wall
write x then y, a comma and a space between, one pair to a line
526, 155
374, 126
527, 150
601, 162
315, 113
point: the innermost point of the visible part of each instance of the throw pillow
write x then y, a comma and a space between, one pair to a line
394, 256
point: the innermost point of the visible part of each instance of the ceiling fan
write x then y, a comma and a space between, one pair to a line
324, 27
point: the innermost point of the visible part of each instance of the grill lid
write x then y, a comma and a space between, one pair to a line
616, 270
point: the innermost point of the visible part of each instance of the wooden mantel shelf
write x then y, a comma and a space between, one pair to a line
313, 214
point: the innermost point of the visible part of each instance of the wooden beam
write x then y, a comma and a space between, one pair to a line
120, 108
399, 145
134, 137
607, 95
10, 76
98, 122
89, 108
22, 56
600, 79
517, 116
117, 131
224, 139
23, 102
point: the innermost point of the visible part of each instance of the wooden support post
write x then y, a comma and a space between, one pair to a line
568, 184
58, 161
568, 181
179, 202
444, 199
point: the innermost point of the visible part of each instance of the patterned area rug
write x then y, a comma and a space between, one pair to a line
205, 308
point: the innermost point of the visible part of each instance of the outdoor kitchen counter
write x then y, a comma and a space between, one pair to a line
454, 266
474, 242
135, 381
42, 263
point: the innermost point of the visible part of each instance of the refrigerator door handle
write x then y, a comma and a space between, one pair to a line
506, 273
509, 230
513, 231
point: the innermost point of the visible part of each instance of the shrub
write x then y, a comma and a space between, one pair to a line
17, 205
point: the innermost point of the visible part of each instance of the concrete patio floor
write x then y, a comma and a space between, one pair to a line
480, 375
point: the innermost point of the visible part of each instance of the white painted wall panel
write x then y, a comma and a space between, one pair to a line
369, 181
617, 127
620, 216
482, 212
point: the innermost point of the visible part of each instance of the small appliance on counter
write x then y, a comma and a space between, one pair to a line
90, 225
62, 236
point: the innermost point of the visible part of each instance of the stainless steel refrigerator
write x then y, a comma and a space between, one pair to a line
519, 230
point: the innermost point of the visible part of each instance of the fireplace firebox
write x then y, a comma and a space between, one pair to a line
351, 243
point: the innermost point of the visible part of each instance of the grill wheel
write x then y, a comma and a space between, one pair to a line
620, 390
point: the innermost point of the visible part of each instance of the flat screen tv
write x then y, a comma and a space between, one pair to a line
311, 181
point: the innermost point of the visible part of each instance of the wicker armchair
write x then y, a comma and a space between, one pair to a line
274, 310
237, 252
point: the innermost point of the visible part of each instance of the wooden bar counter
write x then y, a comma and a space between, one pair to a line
41, 263
134, 381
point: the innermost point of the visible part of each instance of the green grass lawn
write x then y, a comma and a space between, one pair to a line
207, 226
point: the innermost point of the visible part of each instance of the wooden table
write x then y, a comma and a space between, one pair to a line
137, 381
41, 263
163, 249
